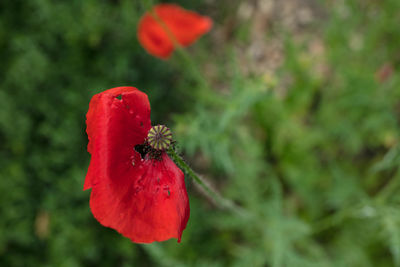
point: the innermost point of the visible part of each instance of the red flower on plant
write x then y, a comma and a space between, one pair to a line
136, 188
185, 26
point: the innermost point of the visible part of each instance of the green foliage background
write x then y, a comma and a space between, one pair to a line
312, 156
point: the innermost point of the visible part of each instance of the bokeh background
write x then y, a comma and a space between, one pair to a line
288, 108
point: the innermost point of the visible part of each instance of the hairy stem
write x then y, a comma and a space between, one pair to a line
219, 200
213, 194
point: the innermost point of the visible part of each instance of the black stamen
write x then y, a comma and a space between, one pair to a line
142, 150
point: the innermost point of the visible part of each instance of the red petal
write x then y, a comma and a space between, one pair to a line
186, 26
143, 199
152, 205
114, 127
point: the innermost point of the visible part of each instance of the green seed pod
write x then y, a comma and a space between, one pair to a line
159, 137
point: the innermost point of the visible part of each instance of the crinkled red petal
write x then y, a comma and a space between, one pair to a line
114, 127
143, 199
186, 26
151, 206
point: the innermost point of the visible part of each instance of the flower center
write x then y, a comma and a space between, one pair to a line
159, 137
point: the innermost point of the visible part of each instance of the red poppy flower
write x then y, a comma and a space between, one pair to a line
185, 26
136, 188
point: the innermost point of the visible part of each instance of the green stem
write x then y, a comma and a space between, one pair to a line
331, 221
219, 200
388, 189
148, 4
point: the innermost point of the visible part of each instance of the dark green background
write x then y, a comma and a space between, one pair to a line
312, 156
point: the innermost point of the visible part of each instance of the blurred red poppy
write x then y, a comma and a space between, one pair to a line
185, 26
140, 195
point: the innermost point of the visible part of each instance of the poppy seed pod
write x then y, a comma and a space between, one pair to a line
159, 137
